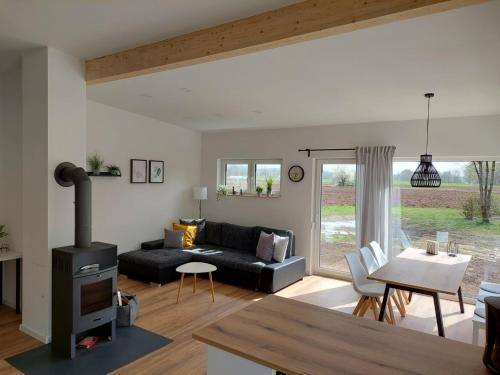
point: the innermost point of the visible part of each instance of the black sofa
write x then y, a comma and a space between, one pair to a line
231, 248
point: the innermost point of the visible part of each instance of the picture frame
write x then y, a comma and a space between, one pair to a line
156, 171
138, 171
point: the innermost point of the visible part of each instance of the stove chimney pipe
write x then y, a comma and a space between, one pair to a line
67, 174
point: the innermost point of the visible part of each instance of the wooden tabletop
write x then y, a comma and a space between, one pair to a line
10, 255
415, 268
299, 338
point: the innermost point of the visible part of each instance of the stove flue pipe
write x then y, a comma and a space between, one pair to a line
67, 174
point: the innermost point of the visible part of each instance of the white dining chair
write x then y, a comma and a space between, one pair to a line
379, 253
371, 265
370, 291
382, 260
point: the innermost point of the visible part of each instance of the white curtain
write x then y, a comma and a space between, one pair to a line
373, 196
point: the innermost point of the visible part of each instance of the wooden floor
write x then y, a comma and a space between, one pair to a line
160, 313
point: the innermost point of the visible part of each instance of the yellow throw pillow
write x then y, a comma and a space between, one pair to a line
189, 233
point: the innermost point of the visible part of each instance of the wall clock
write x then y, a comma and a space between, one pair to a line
296, 173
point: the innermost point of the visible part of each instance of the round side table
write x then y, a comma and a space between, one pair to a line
196, 268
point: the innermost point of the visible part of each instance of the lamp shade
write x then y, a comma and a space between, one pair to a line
200, 193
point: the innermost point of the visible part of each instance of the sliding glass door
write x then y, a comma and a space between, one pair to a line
335, 215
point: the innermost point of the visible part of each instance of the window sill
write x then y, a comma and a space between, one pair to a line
254, 195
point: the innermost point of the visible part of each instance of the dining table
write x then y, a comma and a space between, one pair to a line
416, 271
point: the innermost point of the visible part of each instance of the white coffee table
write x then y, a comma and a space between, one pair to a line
196, 268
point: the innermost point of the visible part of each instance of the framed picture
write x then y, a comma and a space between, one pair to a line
138, 171
156, 171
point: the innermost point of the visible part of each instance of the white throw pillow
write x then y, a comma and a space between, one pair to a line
280, 246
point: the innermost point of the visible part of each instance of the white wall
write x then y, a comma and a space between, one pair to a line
10, 172
128, 214
54, 127
470, 137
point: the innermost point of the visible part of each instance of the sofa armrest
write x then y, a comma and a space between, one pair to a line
152, 245
276, 276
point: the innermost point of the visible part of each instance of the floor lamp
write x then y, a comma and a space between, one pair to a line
200, 194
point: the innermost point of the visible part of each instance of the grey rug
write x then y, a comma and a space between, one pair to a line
131, 344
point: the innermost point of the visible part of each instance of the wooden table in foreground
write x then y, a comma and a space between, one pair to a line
282, 334
418, 272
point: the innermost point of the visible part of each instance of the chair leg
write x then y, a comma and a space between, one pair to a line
364, 308
391, 312
405, 297
386, 316
400, 304
358, 306
374, 307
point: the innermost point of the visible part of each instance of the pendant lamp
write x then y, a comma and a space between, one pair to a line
426, 175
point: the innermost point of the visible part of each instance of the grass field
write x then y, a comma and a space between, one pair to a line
430, 218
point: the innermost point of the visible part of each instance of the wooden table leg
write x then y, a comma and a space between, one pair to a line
18, 286
461, 300
211, 286
410, 297
439, 317
180, 287
384, 303
194, 283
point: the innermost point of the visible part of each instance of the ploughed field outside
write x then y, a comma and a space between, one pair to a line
422, 213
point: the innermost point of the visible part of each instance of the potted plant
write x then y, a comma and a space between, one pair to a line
221, 191
95, 163
259, 189
269, 186
3, 233
114, 170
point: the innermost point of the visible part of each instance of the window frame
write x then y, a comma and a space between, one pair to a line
251, 176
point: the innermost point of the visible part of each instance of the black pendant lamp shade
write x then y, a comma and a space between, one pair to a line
426, 174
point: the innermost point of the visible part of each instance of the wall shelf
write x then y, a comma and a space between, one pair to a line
103, 174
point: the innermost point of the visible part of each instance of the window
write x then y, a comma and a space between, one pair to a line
248, 174
336, 200
453, 210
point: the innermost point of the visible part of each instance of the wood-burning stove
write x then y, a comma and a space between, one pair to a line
83, 276
83, 295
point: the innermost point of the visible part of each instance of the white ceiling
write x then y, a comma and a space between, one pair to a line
92, 28
371, 75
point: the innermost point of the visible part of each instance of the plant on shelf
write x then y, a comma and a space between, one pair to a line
95, 163
3, 233
222, 191
114, 170
269, 185
259, 189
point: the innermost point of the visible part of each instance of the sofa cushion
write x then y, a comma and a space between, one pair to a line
234, 259
280, 232
265, 247
156, 258
174, 239
238, 237
201, 224
213, 233
189, 233
280, 247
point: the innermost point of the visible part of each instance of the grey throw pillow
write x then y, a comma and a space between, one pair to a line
174, 238
265, 247
280, 246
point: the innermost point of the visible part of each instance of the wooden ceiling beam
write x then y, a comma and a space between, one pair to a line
299, 22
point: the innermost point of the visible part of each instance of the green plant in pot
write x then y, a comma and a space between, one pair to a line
95, 163
114, 170
3, 234
222, 191
269, 185
259, 189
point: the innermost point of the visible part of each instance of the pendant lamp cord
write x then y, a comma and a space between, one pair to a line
428, 111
